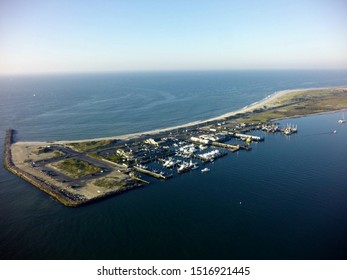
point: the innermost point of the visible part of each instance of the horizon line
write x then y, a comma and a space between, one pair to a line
166, 71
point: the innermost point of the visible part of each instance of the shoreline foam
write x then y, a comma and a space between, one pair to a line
247, 109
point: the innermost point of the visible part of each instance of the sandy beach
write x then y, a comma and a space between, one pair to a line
268, 101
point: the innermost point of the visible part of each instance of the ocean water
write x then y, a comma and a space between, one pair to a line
285, 199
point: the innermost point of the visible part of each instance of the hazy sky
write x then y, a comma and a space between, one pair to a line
123, 35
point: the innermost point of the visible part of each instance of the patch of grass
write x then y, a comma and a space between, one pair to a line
302, 103
91, 145
77, 168
117, 158
110, 182
95, 155
58, 154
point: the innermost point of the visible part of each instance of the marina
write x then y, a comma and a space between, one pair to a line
115, 166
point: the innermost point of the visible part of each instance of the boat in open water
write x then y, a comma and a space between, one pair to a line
342, 120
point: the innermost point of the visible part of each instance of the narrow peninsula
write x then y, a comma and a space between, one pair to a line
80, 172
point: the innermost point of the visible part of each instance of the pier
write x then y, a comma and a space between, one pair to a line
210, 156
232, 148
140, 180
151, 173
246, 136
245, 147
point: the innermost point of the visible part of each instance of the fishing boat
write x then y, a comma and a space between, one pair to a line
184, 167
342, 120
205, 169
195, 166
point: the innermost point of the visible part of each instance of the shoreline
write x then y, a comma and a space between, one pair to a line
29, 162
246, 109
312, 114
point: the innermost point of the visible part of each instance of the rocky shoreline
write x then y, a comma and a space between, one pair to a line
62, 195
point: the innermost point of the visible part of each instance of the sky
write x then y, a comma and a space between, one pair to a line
45, 36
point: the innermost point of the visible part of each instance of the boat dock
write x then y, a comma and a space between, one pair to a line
140, 180
232, 148
151, 173
245, 147
246, 136
210, 156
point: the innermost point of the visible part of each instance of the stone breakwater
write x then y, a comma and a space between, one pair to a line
61, 195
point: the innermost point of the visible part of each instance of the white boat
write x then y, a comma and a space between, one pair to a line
290, 129
184, 167
195, 166
342, 120
142, 166
169, 163
205, 169
202, 147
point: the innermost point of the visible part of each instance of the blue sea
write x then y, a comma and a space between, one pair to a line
285, 199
